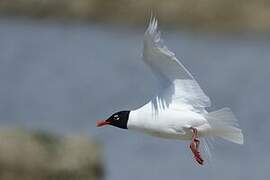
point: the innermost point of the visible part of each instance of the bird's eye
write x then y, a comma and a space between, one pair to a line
116, 117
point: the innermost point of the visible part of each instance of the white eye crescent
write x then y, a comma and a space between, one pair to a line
116, 117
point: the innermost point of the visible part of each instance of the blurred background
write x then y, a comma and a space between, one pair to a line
65, 64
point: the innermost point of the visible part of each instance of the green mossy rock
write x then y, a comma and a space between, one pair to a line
40, 156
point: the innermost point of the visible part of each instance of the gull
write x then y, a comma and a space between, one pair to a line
178, 110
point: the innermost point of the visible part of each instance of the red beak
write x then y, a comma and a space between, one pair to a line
102, 123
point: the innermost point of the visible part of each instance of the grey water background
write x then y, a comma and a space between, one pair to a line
63, 77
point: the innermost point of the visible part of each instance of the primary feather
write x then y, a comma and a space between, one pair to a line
179, 86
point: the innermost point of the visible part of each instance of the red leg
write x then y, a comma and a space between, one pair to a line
194, 146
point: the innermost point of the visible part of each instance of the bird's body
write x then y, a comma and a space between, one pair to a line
171, 124
178, 110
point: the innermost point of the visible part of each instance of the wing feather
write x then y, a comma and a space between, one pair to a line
179, 85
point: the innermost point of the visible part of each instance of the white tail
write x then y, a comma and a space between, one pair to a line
224, 125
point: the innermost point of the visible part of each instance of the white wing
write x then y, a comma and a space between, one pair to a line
180, 88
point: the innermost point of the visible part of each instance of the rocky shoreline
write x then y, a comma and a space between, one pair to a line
212, 15
35, 155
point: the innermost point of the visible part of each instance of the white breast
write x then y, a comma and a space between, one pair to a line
169, 123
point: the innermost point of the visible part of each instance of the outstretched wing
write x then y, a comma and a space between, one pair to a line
180, 88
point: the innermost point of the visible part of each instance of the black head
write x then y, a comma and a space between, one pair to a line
118, 119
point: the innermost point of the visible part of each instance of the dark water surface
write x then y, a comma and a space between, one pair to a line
63, 77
